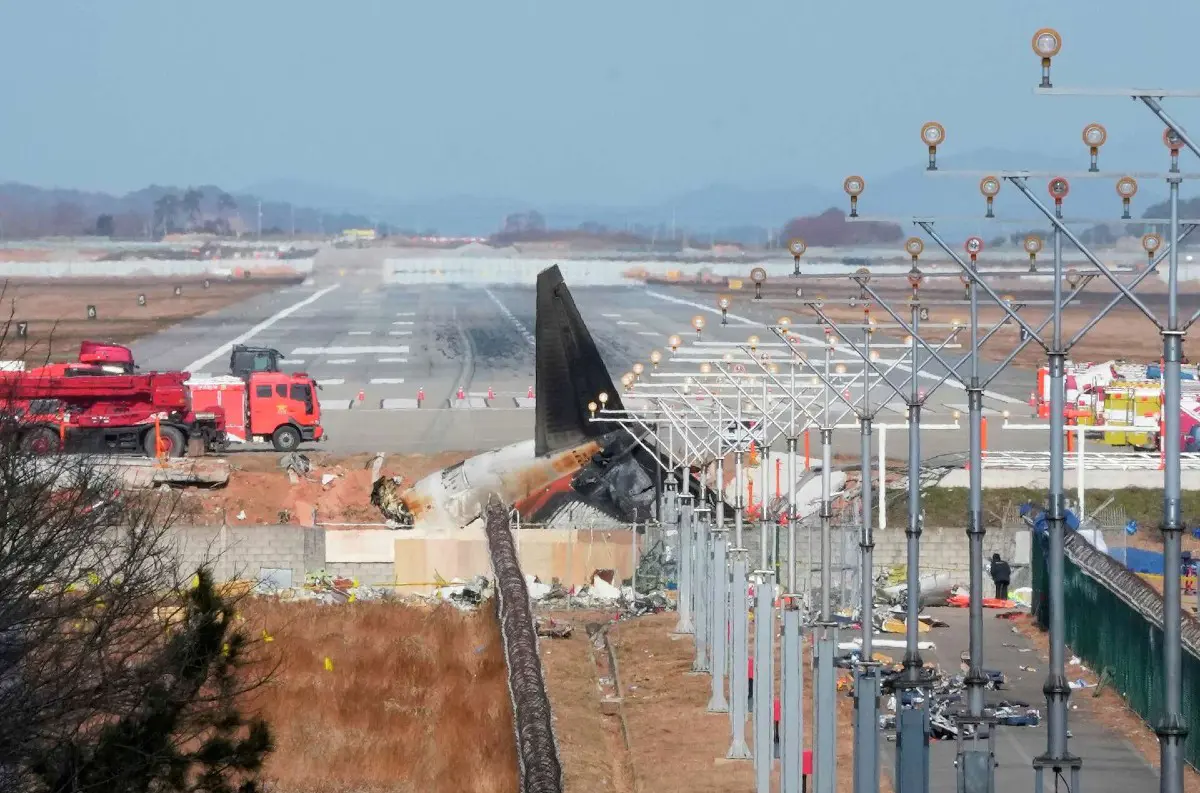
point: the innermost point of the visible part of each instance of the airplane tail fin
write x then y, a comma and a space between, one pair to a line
570, 372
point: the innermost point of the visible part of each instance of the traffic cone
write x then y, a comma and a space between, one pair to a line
362, 396
420, 396
491, 393
529, 393
460, 394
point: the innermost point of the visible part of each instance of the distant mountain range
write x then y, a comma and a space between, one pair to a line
719, 211
748, 214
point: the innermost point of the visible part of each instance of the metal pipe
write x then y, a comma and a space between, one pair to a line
1172, 730
791, 726
739, 680
684, 625
717, 702
912, 653
764, 679
1056, 688
976, 680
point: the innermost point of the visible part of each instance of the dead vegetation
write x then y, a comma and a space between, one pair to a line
386, 696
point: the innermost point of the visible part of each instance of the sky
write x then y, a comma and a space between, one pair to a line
621, 102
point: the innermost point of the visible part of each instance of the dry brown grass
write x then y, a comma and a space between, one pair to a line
417, 699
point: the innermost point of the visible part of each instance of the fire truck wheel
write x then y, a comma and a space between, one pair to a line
39, 440
172, 440
286, 438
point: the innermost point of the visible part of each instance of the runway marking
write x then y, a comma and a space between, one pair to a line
406, 313
341, 360
359, 333
386, 380
393, 360
399, 332
504, 310
814, 340
647, 333
627, 322
401, 349
610, 316
405, 322
292, 361
329, 381
259, 328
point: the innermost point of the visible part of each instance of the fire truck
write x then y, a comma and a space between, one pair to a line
56, 408
261, 405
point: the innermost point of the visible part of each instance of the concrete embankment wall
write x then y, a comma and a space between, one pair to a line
381, 556
150, 268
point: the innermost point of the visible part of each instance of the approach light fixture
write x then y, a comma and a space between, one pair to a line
673, 342
655, 358
840, 368
1094, 136
989, 186
933, 135
1126, 188
706, 368
638, 369
723, 303
698, 324
796, 247
915, 278
1046, 44
1150, 244
592, 408
973, 246
1174, 142
753, 342
727, 357
603, 397
785, 325
1073, 277
854, 185
758, 275
1058, 188
1032, 246
915, 247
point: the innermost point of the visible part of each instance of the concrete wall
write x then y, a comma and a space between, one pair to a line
245, 551
381, 556
148, 267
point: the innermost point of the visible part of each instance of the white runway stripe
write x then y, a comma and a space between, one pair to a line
401, 349
399, 332
341, 360
393, 360
330, 381
402, 323
387, 380
359, 333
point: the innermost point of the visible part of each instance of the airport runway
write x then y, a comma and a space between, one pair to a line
390, 344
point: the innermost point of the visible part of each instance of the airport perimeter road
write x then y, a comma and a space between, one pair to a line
1110, 763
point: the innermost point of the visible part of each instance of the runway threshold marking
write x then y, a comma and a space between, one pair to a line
647, 333
386, 380
403, 323
814, 340
393, 360
399, 332
359, 333
341, 360
224, 349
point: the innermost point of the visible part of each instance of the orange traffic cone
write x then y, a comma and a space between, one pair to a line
420, 396
460, 394
491, 393
362, 396
529, 393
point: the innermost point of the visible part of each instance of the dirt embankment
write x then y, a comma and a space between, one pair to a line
55, 311
260, 492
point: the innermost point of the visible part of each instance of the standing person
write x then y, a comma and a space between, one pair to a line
1001, 574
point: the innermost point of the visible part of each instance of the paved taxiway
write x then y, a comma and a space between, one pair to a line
390, 343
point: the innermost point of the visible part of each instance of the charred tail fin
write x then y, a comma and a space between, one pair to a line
570, 371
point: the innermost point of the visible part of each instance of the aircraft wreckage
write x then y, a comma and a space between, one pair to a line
574, 472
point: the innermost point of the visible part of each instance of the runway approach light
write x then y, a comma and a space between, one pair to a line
840, 368
627, 380
1127, 189
706, 368
915, 247
933, 135
655, 358
698, 324
758, 275
753, 342
603, 397
673, 342
727, 357
592, 408
773, 368
1032, 246
973, 246
1150, 244
1175, 143
638, 368
796, 247
1046, 44
1094, 136
854, 186
723, 303
989, 186
785, 324
1073, 277
1059, 188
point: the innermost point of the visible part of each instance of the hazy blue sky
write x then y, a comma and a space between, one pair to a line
556, 100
